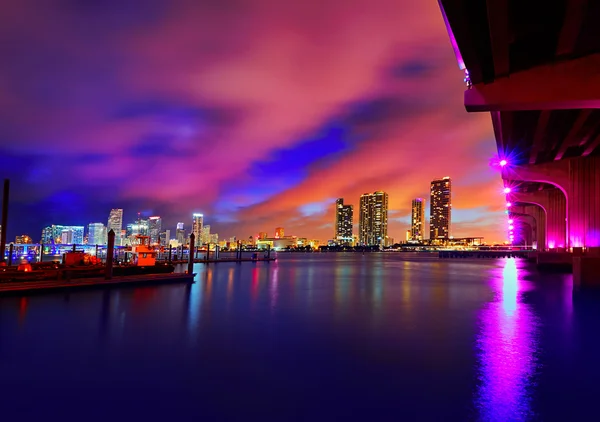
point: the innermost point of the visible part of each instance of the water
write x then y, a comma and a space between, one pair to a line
310, 337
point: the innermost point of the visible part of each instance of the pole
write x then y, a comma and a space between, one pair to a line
4, 222
74, 247
239, 250
207, 251
41, 252
110, 250
10, 254
191, 257
170, 251
268, 251
96, 251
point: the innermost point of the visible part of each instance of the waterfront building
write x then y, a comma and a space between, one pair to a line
165, 238
417, 223
205, 234
115, 223
344, 216
154, 229
180, 234
197, 223
279, 233
440, 211
96, 234
23, 240
54, 234
373, 218
214, 238
263, 235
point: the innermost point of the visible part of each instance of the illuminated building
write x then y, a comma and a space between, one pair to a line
154, 229
165, 238
263, 235
440, 210
373, 218
408, 235
214, 238
344, 215
96, 234
23, 240
197, 223
115, 223
205, 234
180, 234
54, 234
71, 235
279, 232
417, 222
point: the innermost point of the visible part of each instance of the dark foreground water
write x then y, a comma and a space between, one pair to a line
315, 337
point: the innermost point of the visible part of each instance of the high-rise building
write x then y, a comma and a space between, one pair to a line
96, 234
417, 222
115, 223
440, 211
154, 229
165, 238
180, 234
54, 234
197, 223
344, 215
206, 234
214, 238
373, 218
279, 233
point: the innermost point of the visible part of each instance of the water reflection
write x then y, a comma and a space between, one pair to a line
507, 350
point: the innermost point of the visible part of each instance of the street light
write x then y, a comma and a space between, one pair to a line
506, 190
503, 163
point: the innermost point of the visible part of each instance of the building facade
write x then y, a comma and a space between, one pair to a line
154, 229
115, 223
344, 216
197, 225
180, 234
279, 233
373, 218
96, 234
417, 221
440, 209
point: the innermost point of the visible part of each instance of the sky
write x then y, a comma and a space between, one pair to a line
256, 113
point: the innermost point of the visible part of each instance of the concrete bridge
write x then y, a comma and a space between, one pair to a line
534, 67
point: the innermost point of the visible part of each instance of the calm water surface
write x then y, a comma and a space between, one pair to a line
310, 337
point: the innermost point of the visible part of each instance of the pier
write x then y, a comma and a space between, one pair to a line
32, 287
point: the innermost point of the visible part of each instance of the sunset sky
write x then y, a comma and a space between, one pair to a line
256, 113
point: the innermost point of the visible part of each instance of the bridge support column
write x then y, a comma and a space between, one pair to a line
579, 179
534, 219
553, 204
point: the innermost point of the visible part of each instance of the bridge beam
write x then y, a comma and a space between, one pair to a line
536, 218
564, 85
579, 180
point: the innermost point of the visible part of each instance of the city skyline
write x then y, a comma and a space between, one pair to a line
276, 151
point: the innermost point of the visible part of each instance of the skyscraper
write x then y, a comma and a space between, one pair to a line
154, 229
115, 223
344, 215
417, 223
440, 211
180, 234
96, 234
373, 218
279, 233
197, 223
206, 234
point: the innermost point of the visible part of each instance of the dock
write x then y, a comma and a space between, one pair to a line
32, 287
215, 261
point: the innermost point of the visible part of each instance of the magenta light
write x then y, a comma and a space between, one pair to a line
511, 227
508, 205
503, 163
506, 190
510, 221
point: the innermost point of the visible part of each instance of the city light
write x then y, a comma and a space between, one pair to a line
506, 190
511, 227
508, 205
510, 221
503, 163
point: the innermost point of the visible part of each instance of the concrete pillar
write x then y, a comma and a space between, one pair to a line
579, 179
537, 219
553, 202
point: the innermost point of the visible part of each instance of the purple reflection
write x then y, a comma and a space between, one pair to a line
506, 350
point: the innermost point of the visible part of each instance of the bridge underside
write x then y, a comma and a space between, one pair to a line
534, 67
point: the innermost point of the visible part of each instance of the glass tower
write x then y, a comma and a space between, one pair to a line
440, 209
344, 216
373, 218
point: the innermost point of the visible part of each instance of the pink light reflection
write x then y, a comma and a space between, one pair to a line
506, 350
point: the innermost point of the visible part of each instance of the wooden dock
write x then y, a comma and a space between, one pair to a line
32, 287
